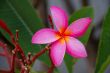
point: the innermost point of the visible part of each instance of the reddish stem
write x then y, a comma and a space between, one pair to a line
51, 23
15, 42
39, 54
1, 71
2, 54
29, 58
51, 69
4, 26
22, 66
13, 60
25, 61
52, 65
19, 49
22, 70
21, 62
27, 70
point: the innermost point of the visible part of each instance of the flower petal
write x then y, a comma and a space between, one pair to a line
60, 18
75, 48
44, 36
57, 52
78, 27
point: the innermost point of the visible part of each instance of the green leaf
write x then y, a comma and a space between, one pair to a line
84, 12
105, 65
19, 14
104, 44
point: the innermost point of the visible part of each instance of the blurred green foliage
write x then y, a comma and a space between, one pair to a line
19, 14
104, 45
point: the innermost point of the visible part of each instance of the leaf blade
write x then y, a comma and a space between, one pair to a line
20, 15
104, 49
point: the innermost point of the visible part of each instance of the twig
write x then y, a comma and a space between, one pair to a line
1, 71
50, 20
29, 58
14, 55
22, 70
39, 53
22, 66
51, 68
13, 60
4, 26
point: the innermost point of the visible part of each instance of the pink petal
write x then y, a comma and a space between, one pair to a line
60, 18
57, 52
75, 48
78, 27
44, 36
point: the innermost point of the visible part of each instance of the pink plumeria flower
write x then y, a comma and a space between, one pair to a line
64, 38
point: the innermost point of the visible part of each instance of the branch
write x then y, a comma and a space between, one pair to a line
4, 26
39, 54
1, 71
22, 70
29, 58
13, 61
50, 20
51, 69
